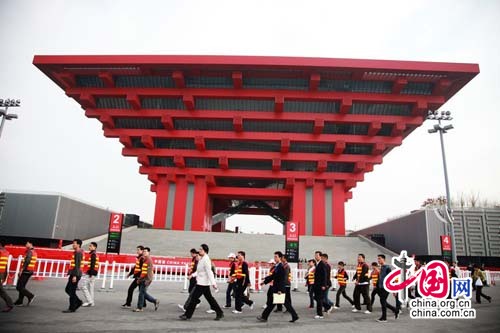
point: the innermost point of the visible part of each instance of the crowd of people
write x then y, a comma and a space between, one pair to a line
201, 277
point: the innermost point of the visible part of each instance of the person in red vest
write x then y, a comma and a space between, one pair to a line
342, 279
310, 282
135, 273
362, 278
242, 282
74, 275
89, 278
144, 281
374, 278
4, 258
191, 276
27, 269
230, 280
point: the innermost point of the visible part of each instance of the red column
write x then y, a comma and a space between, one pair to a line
298, 213
318, 208
338, 212
179, 215
161, 203
200, 200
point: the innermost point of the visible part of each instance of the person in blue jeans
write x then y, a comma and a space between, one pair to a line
230, 281
326, 300
144, 282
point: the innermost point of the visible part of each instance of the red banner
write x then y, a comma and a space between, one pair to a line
445, 243
292, 231
115, 222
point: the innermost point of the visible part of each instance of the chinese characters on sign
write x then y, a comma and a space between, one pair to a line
114, 233
292, 241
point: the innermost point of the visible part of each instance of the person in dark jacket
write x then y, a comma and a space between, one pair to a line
242, 282
326, 300
383, 294
75, 274
320, 285
362, 287
278, 277
88, 279
27, 269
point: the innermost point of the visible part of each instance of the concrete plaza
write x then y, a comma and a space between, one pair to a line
44, 315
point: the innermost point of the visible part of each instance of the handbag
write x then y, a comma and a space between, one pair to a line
278, 298
479, 283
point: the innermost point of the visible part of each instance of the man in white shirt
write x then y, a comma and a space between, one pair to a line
204, 279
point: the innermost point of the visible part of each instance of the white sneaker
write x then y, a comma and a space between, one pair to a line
318, 317
264, 306
368, 312
180, 306
354, 310
210, 311
198, 305
336, 307
329, 310
236, 311
85, 304
353, 306
251, 306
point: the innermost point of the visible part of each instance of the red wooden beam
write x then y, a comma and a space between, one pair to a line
87, 100
199, 142
321, 167
188, 102
279, 101
378, 148
359, 167
210, 180
107, 79
178, 78
252, 155
143, 159
285, 145
237, 80
419, 108
276, 164
345, 105
179, 161
246, 193
223, 162
441, 87
319, 124
126, 141
259, 174
314, 80
238, 124
67, 79
398, 129
167, 122
254, 136
147, 141
134, 101
399, 85
107, 121
374, 127
263, 116
339, 147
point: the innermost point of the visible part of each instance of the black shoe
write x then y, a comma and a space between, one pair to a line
396, 314
219, 317
294, 320
259, 318
489, 299
183, 317
18, 303
30, 300
78, 305
68, 311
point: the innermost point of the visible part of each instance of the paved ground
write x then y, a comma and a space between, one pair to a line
44, 315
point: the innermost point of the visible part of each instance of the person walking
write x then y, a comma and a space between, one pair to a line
278, 277
75, 274
27, 269
191, 277
230, 280
204, 278
326, 300
320, 285
383, 294
374, 279
242, 282
87, 283
135, 273
144, 282
4, 259
342, 279
362, 285
479, 281
310, 281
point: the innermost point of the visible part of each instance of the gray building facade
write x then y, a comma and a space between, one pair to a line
50, 216
477, 232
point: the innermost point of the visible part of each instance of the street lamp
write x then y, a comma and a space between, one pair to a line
10, 102
439, 116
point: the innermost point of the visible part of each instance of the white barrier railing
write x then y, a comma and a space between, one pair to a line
111, 272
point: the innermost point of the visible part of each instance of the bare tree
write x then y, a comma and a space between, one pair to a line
473, 199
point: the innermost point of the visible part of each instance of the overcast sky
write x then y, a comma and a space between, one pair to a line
54, 147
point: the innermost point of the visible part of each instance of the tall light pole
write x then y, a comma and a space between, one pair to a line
3, 112
445, 115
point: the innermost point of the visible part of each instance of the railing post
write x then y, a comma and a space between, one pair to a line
9, 260
113, 265
18, 268
186, 270
103, 286
253, 275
